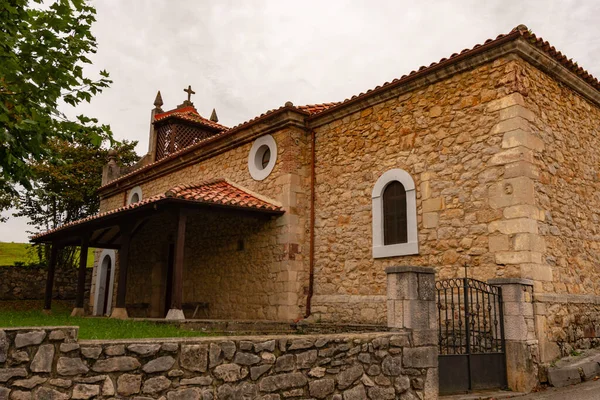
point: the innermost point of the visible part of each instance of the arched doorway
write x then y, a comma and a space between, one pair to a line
104, 283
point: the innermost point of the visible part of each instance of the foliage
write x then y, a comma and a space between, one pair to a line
25, 254
14, 314
43, 51
65, 186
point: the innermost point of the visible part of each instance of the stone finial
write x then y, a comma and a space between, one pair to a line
522, 28
158, 101
213, 116
289, 104
112, 153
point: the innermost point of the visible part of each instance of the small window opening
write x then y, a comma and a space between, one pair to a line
394, 214
240, 245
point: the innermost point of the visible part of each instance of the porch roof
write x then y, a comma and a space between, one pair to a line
104, 227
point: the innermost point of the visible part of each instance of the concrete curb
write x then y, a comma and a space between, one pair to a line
574, 370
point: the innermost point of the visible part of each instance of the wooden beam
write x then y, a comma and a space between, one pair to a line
177, 288
105, 245
50, 277
120, 311
139, 226
101, 235
83, 255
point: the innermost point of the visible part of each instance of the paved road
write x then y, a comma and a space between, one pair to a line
584, 391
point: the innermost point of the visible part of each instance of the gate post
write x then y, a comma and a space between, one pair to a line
522, 356
411, 306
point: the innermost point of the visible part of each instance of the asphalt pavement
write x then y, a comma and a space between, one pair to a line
584, 391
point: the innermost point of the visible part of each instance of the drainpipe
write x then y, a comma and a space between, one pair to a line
311, 273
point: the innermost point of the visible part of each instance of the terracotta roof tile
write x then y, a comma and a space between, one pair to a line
313, 110
219, 192
190, 114
520, 31
317, 108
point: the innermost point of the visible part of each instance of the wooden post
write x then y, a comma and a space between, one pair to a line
177, 288
78, 310
120, 311
50, 277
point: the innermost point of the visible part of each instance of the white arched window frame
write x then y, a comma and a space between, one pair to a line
100, 275
380, 250
135, 195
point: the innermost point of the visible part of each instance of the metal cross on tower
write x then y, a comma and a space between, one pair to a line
190, 92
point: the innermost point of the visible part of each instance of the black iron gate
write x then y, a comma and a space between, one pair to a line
471, 336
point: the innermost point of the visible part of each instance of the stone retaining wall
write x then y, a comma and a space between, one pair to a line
50, 363
29, 283
566, 323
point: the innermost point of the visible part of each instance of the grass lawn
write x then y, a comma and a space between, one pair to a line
28, 313
21, 252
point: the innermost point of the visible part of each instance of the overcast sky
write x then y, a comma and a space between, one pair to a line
245, 57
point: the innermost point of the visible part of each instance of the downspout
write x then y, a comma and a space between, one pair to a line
311, 271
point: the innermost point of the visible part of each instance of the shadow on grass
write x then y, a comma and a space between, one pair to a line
29, 313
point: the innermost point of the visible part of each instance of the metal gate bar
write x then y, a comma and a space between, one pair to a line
470, 335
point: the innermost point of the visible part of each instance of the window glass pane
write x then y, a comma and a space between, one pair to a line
394, 214
266, 158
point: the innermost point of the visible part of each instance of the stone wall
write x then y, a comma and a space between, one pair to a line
450, 137
245, 267
29, 283
50, 363
565, 323
567, 193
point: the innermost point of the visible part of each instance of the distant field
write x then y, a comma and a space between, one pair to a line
21, 252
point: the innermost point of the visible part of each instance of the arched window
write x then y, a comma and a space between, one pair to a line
394, 215
135, 195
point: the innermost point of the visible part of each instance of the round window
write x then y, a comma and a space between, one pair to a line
262, 157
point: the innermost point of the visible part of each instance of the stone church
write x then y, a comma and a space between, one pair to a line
487, 162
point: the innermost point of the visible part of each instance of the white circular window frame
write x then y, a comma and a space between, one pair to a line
255, 157
136, 190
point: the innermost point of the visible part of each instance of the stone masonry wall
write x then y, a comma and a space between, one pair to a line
29, 283
451, 137
269, 278
50, 363
567, 193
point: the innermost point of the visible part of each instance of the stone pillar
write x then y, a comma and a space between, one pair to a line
521, 344
411, 306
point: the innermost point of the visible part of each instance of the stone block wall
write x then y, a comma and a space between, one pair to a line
567, 193
246, 267
565, 323
29, 283
456, 138
50, 363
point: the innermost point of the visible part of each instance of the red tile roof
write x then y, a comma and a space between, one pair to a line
218, 192
314, 110
317, 108
520, 31
189, 113
222, 192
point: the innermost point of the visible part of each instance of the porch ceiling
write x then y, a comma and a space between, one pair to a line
219, 195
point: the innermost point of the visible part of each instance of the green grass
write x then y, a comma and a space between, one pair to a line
29, 313
23, 253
